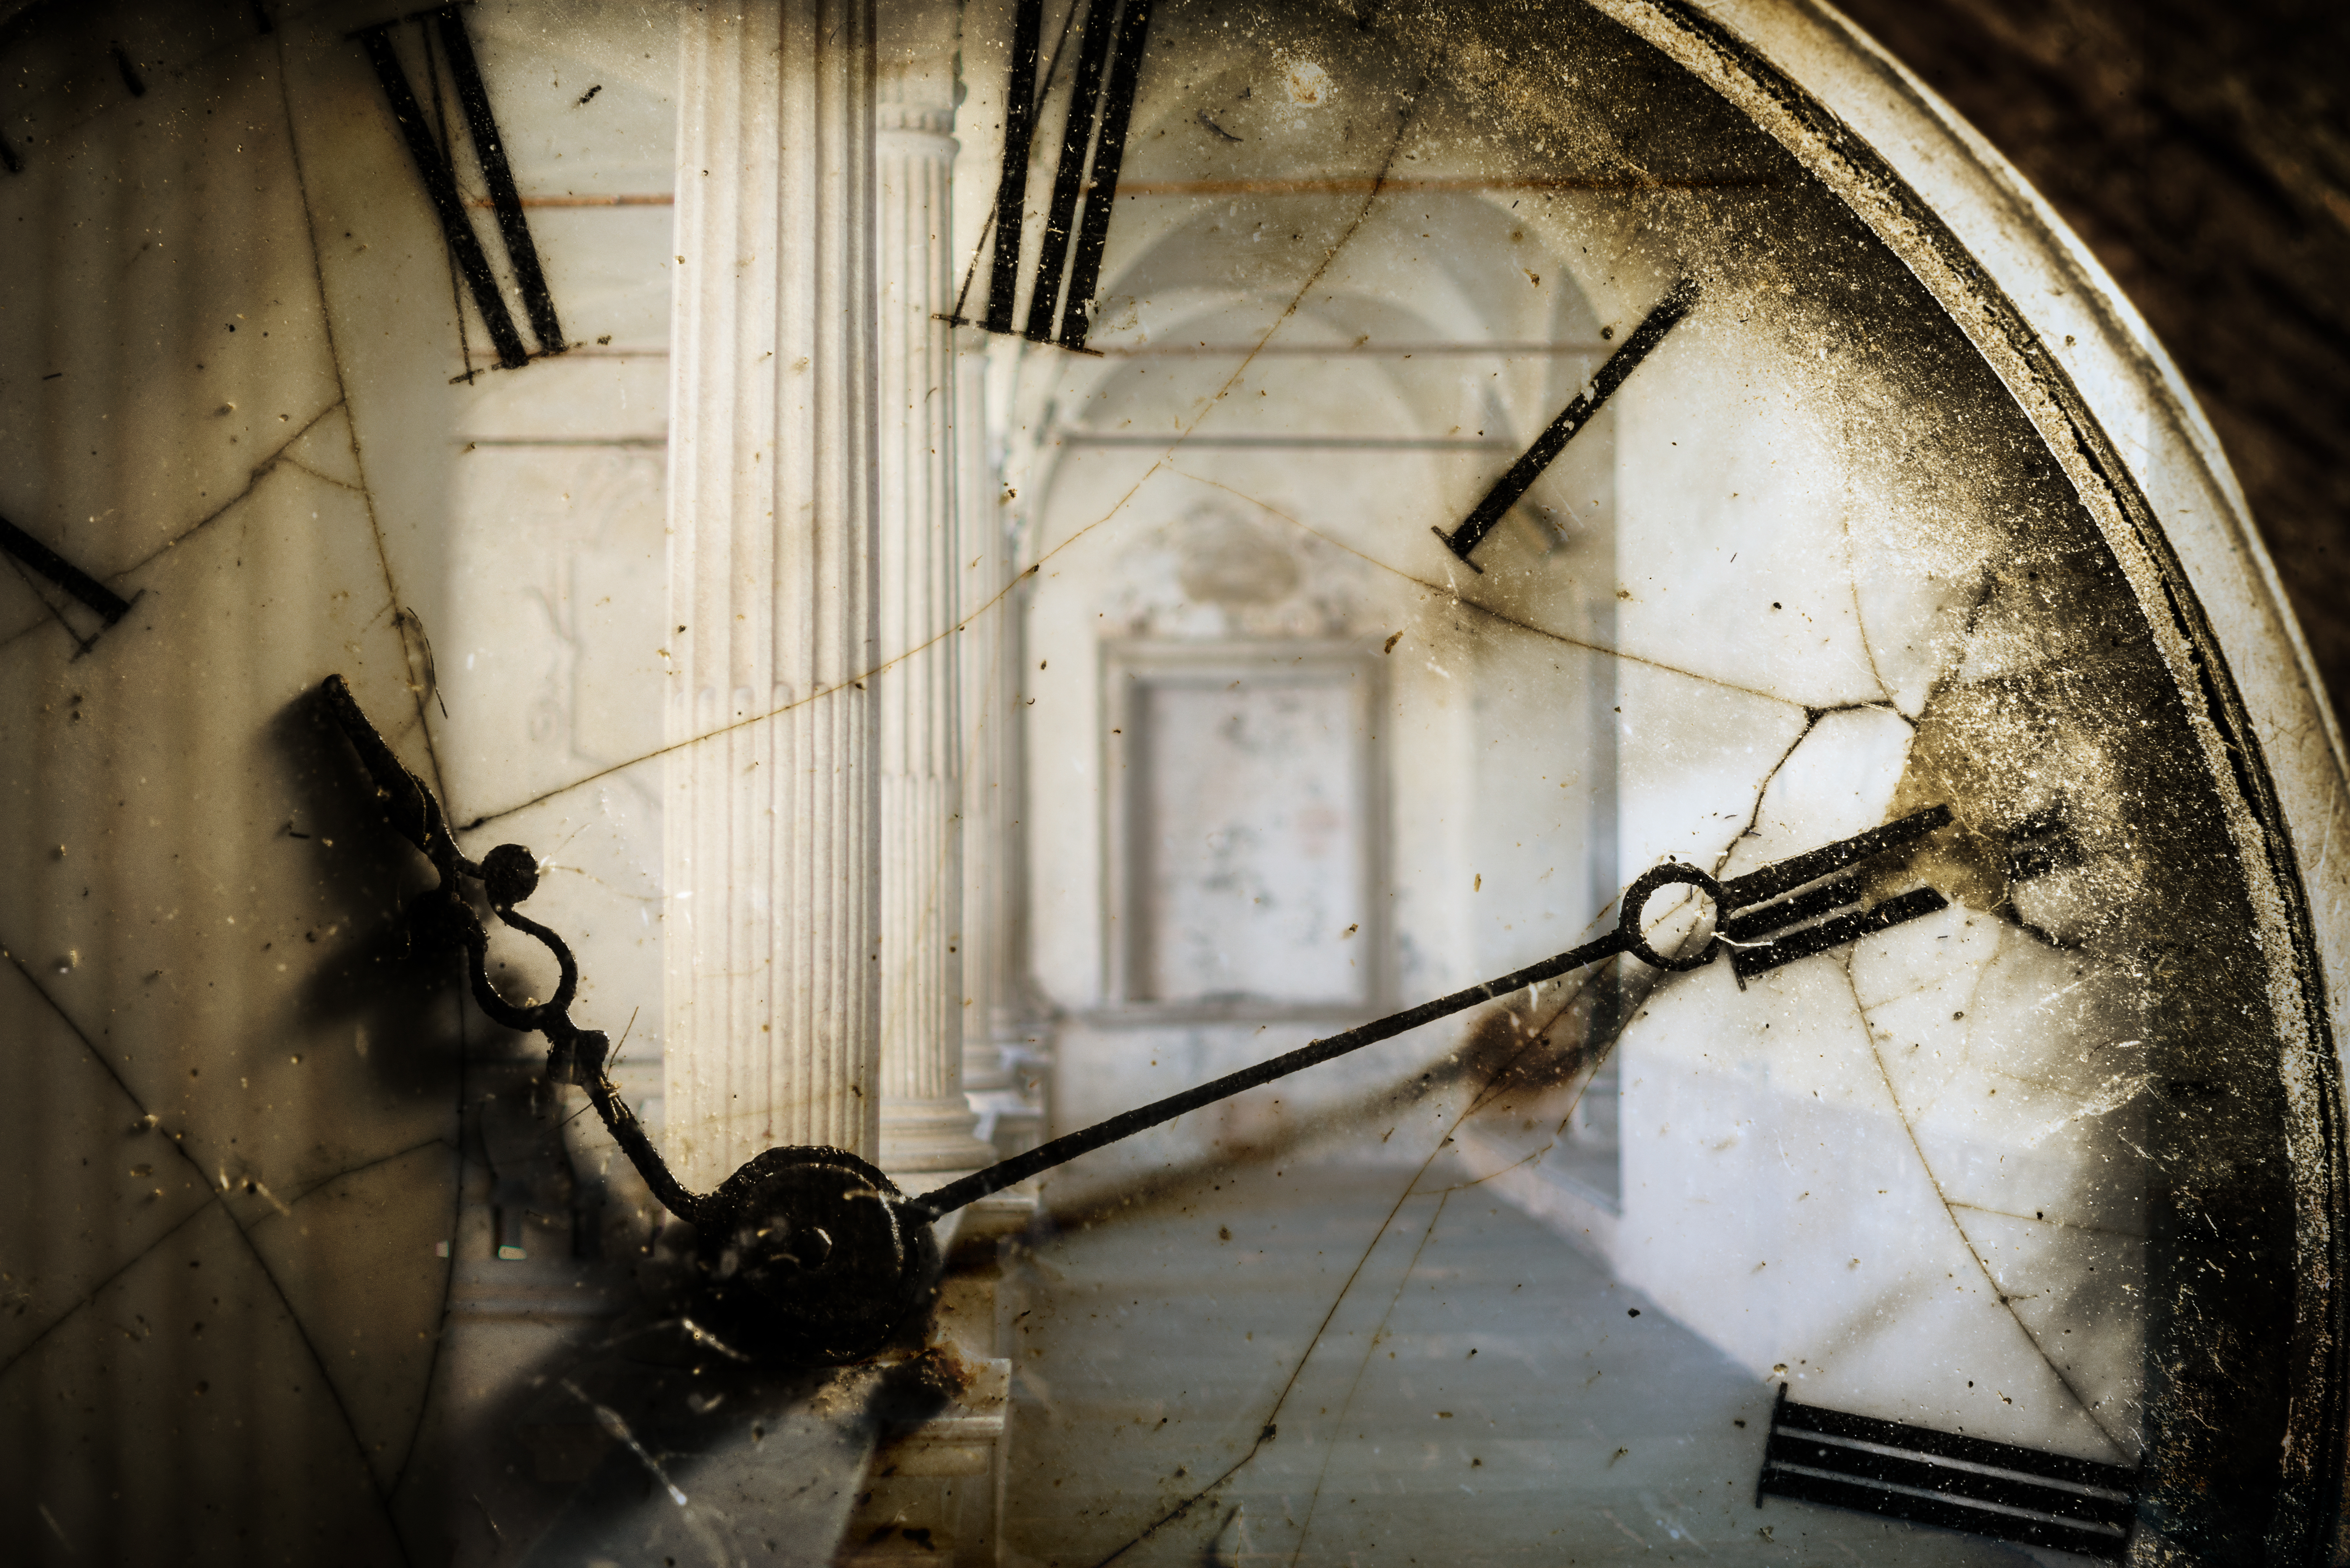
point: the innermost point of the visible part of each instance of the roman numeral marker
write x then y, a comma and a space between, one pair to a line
1093, 146
1749, 955
1512, 486
1941, 1478
110, 605
439, 173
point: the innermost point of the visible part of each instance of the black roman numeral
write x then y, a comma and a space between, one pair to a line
1784, 896
110, 605
1093, 145
436, 168
1941, 1479
1750, 956
1571, 419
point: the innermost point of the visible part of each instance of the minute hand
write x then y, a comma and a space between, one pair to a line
1741, 893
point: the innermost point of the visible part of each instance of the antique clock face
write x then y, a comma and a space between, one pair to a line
1443, 466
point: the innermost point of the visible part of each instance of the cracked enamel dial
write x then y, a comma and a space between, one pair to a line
1415, 469
1500, 467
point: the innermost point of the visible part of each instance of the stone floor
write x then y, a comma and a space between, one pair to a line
1296, 1367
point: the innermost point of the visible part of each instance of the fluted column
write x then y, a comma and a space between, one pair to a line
998, 1055
984, 562
771, 1031
926, 1121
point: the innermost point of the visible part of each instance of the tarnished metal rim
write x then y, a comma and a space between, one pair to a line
2014, 280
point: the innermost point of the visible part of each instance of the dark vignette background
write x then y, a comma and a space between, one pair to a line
2202, 149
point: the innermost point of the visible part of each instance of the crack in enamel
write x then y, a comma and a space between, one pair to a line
1532, 1036
384, 1489
1354, 1384
1450, 590
1496, 1082
260, 470
56, 610
2042, 1220
439, 773
1966, 1041
217, 1197
381, 1492
998, 602
1902, 1115
1852, 575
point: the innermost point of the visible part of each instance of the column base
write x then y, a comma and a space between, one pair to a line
929, 1140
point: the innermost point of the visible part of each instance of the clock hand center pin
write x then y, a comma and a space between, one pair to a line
812, 1255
